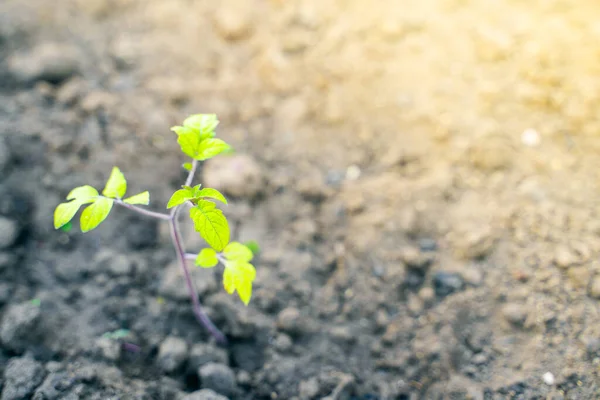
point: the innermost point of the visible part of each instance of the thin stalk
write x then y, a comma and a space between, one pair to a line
143, 211
181, 256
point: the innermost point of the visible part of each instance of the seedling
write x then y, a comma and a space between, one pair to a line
197, 140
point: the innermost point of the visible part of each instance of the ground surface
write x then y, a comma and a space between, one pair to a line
427, 198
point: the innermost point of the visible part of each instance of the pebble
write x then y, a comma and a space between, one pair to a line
18, 327
579, 276
237, 175
289, 320
172, 353
309, 388
564, 257
595, 287
283, 342
217, 377
446, 283
427, 244
233, 23
21, 377
413, 258
515, 314
342, 334
108, 349
113, 263
548, 378
9, 232
50, 62
203, 353
204, 394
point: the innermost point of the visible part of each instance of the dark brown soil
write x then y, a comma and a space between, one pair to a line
422, 177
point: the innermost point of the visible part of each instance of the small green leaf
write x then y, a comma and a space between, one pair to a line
65, 212
188, 139
140, 198
36, 302
180, 196
94, 214
116, 186
211, 194
187, 166
253, 246
205, 124
212, 225
118, 334
209, 148
239, 276
84, 194
207, 258
236, 251
67, 227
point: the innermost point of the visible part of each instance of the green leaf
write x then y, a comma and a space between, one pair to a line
207, 258
239, 276
236, 251
253, 246
209, 148
84, 194
212, 225
187, 166
140, 198
205, 124
211, 194
180, 196
94, 214
188, 139
65, 212
116, 186
67, 227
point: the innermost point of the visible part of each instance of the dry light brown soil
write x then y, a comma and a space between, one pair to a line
421, 175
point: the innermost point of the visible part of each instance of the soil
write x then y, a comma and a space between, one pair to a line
422, 179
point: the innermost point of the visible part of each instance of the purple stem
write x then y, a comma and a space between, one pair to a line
181, 256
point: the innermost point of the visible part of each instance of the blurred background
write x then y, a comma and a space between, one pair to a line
421, 176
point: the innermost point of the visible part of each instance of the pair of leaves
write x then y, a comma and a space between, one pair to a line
188, 193
197, 137
208, 220
100, 206
239, 272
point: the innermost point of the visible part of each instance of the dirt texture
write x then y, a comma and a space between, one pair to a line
422, 177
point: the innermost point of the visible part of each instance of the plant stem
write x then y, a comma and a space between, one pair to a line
181, 257
143, 211
198, 312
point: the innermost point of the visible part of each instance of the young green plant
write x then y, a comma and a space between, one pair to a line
196, 137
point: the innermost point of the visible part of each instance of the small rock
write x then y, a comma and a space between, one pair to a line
289, 320
515, 314
113, 263
203, 353
309, 388
204, 394
49, 62
172, 353
218, 377
9, 232
71, 91
237, 175
564, 257
54, 386
108, 349
342, 334
283, 342
413, 258
548, 378
595, 287
21, 377
427, 295
233, 23
446, 283
427, 244
18, 327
